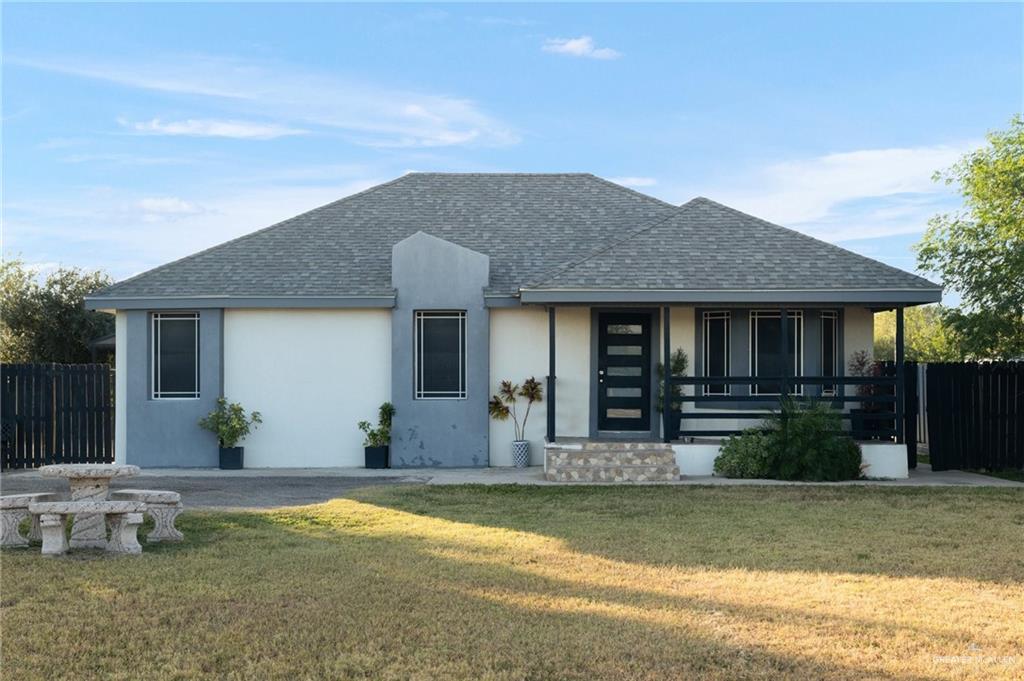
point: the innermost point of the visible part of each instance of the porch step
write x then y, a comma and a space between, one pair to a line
610, 462
612, 473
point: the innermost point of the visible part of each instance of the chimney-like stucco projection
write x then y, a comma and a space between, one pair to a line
431, 274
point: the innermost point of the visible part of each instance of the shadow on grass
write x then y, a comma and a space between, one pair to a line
905, 532
393, 591
507, 578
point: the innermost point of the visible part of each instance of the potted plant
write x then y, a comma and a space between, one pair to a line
503, 405
679, 363
231, 425
863, 366
377, 444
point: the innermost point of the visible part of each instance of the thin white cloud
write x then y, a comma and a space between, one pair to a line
579, 47
127, 159
502, 21
369, 113
61, 143
127, 235
171, 205
847, 195
634, 181
213, 128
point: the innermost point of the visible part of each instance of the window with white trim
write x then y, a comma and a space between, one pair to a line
715, 353
766, 357
440, 359
829, 348
175, 355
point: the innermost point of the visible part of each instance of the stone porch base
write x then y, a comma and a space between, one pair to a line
609, 462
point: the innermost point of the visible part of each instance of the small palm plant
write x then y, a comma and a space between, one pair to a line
503, 405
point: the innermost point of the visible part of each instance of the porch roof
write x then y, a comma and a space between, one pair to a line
770, 297
709, 253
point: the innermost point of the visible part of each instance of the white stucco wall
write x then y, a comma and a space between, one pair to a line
883, 460
519, 349
312, 374
120, 387
858, 334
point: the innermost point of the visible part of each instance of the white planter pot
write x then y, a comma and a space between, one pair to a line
521, 453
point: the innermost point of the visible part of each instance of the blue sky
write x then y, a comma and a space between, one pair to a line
136, 134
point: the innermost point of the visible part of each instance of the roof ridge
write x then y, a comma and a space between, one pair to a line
730, 209
565, 267
369, 190
628, 190
497, 174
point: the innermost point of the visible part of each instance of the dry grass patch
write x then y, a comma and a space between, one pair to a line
537, 583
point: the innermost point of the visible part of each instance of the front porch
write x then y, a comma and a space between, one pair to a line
637, 435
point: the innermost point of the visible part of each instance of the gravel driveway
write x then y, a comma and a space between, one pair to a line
222, 491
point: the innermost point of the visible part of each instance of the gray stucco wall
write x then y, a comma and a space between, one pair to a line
165, 433
433, 274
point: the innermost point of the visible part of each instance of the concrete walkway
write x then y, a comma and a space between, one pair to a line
275, 487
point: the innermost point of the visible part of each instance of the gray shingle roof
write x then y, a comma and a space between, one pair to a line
706, 246
540, 230
527, 224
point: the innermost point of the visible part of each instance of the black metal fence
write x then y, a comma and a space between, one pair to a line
56, 413
975, 415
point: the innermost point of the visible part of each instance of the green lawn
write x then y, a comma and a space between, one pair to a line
416, 582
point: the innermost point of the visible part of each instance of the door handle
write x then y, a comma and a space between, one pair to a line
600, 375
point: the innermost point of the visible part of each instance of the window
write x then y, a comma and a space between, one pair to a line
716, 350
829, 348
766, 349
175, 355
440, 363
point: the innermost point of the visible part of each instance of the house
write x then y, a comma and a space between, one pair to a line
429, 289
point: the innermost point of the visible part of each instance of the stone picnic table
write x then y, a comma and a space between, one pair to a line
89, 482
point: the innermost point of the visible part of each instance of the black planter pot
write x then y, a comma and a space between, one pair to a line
378, 457
863, 427
232, 458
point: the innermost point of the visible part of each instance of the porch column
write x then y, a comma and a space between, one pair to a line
900, 435
784, 349
667, 431
551, 375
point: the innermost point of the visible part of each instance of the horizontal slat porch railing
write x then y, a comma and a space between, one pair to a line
883, 406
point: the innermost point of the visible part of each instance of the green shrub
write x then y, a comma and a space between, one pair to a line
745, 455
798, 442
812, 445
230, 423
381, 435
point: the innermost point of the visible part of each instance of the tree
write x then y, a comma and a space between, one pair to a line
49, 322
927, 337
979, 250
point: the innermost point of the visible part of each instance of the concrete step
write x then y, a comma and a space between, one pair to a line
612, 473
612, 446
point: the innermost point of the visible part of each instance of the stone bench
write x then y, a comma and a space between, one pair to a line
13, 510
123, 519
162, 506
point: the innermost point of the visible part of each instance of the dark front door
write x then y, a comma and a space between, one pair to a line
624, 371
